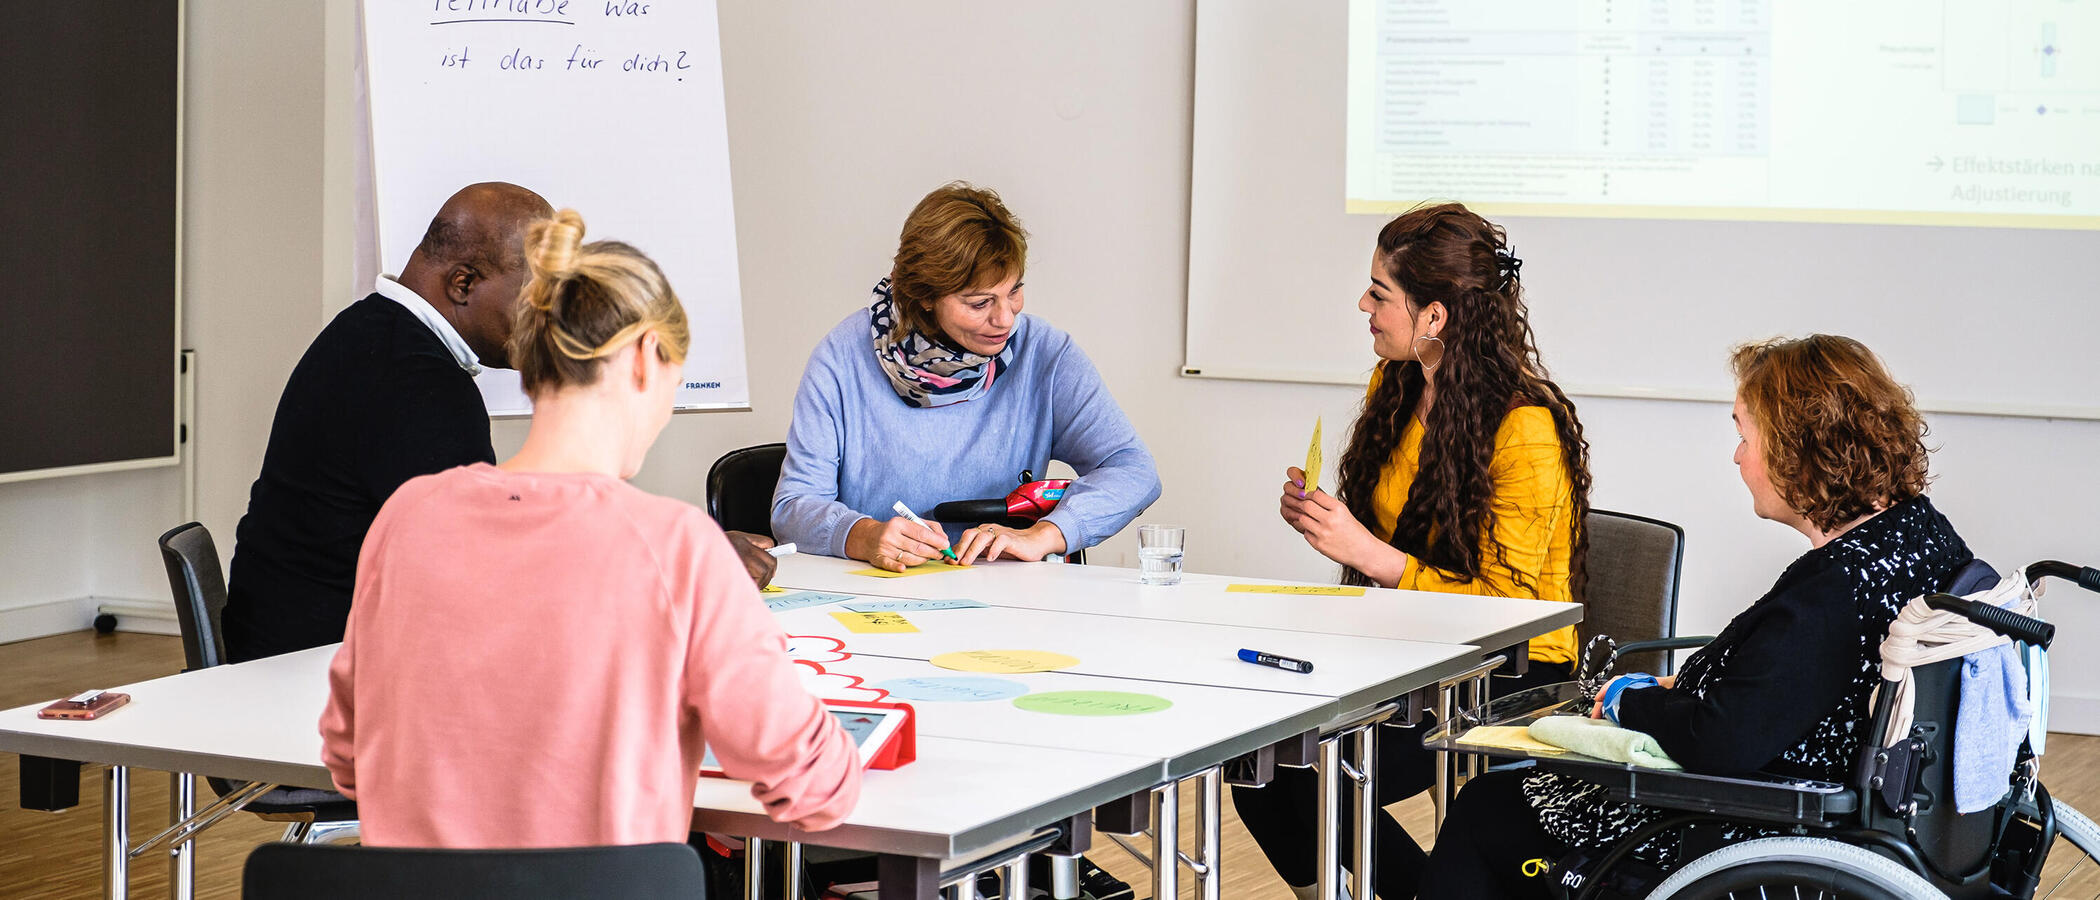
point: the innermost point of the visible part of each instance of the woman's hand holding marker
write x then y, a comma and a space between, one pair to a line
897, 544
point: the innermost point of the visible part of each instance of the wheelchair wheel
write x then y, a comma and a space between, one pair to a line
2072, 826
1809, 868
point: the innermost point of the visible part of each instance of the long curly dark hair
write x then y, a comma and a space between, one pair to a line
1490, 367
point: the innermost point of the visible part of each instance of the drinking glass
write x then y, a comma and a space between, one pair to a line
1159, 553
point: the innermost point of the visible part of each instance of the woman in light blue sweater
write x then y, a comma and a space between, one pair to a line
941, 389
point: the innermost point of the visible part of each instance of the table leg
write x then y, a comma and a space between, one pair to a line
1444, 759
1064, 877
182, 857
1327, 860
1476, 764
1210, 816
754, 869
1014, 879
907, 877
116, 833
1166, 841
793, 878
1367, 811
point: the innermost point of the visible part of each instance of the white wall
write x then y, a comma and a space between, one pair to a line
841, 116
251, 285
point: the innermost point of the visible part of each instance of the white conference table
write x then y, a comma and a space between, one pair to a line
1358, 673
1205, 727
1279, 621
1491, 623
1362, 676
259, 721
1013, 775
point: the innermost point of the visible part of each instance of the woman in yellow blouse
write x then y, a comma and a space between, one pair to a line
1467, 473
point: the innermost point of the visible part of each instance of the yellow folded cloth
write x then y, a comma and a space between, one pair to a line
1603, 740
1509, 737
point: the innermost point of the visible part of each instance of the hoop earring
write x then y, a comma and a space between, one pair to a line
1428, 368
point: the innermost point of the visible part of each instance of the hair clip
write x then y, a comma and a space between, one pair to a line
1507, 264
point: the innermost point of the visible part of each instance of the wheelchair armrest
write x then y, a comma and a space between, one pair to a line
1688, 642
1754, 798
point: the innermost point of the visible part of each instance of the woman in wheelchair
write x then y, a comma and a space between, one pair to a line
1831, 446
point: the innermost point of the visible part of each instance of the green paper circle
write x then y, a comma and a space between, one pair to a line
1092, 703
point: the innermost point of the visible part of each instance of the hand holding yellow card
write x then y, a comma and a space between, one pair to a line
1312, 462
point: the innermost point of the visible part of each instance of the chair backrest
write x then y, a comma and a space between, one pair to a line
1634, 564
1976, 576
740, 488
199, 586
336, 872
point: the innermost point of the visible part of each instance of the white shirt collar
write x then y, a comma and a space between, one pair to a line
393, 290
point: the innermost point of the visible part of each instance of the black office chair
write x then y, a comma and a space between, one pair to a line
640, 872
1634, 565
199, 585
740, 488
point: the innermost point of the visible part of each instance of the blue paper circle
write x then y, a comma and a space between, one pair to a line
952, 688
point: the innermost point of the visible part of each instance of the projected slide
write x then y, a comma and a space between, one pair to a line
1969, 112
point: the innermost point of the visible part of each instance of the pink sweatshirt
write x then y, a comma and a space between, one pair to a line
532, 660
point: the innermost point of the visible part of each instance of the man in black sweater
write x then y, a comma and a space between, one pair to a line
384, 394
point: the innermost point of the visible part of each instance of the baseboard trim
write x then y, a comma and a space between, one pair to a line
44, 618
2077, 715
140, 616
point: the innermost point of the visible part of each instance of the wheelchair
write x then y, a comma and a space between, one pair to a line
1889, 831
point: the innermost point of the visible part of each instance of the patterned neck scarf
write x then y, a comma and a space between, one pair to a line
925, 372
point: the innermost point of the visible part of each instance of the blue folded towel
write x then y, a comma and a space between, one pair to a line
1989, 726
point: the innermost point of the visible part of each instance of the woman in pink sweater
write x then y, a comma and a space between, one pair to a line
537, 649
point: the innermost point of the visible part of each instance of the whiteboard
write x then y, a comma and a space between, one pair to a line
1981, 320
612, 108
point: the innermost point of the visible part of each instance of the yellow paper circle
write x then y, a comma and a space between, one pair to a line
1006, 662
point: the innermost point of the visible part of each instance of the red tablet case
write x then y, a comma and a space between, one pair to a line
903, 744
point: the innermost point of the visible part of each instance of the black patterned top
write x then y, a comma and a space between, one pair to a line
1785, 688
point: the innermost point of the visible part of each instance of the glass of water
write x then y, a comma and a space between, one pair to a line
1159, 553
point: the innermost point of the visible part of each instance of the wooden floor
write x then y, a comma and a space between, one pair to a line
58, 855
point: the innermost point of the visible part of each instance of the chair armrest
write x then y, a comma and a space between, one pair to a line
1688, 642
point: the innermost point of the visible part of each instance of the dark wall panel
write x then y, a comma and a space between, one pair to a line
88, 150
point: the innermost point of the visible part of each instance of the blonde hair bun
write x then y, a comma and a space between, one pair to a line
552, 245
585, 302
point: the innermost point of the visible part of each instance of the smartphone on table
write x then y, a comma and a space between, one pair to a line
88, 705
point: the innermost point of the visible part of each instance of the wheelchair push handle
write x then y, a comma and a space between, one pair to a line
2084, 576
1996, 618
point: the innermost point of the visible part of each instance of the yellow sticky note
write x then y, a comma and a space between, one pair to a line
874, 622
925, 568
1509, 737
1006, 662
1321, 590
772, 589
1312, 461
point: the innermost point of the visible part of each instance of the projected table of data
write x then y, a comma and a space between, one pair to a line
1952, 111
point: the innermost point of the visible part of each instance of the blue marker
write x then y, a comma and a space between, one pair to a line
1276, 662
